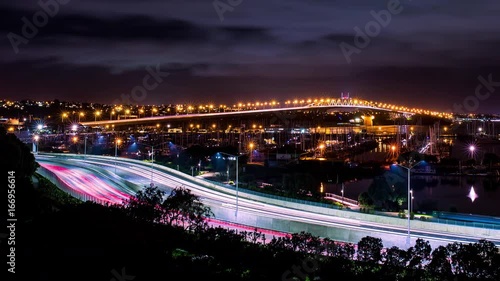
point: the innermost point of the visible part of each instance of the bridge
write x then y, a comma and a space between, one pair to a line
253, 108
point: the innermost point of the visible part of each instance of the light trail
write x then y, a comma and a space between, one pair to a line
223, 198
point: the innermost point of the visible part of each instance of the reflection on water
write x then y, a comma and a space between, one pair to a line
471, 195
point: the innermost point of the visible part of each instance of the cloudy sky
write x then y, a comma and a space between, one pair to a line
428, 55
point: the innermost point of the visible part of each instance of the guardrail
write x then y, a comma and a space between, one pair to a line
275, 197
338, 197
466, 223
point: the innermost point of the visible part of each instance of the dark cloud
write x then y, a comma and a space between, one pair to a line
98, 49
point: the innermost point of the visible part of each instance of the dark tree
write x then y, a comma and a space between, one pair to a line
370, 249
16, 156
365, 200
146, 205
338, 249
440, 263
306, 243
183, 208
474, 260
395, 257
420, 254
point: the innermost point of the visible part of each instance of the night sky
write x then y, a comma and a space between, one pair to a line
429, 54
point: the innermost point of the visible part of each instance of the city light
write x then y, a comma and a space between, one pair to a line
97, 113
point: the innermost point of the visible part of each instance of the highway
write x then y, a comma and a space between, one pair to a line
95, 176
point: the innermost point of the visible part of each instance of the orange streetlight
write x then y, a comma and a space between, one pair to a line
97, 113
117, 142
251, 145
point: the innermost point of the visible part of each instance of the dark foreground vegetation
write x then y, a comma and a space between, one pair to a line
157, 237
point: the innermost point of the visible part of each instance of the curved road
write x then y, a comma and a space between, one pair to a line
95, 176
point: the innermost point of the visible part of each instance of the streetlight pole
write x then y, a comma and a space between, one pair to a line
116, 151
237, 173
411, 207
85, 148
237, 177
342, 193
152, 160
409, 199
251, 150
36, 138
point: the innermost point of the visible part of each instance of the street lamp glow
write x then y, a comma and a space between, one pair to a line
74, 127
117, 142
472, 148
35, 146
39, 126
